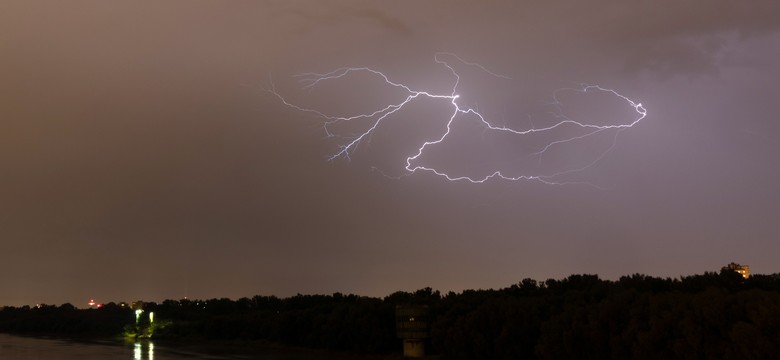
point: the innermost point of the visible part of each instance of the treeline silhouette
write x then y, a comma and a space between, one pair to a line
713, 315
65, 319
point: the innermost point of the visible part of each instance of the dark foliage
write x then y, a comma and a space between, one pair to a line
714, 315
65, 320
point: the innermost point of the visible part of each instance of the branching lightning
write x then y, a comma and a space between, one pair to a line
412, 162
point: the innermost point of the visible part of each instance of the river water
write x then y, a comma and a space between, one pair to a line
24, 348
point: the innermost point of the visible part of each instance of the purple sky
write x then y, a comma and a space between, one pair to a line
140, 158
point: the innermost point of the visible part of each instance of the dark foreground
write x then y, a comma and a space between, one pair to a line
28, 347
714, 315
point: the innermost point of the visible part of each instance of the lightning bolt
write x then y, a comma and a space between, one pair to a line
459, 111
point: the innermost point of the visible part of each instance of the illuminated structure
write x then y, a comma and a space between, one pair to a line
411, 325
743, 270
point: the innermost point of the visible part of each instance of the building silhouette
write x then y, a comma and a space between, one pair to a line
743, 270
411, 325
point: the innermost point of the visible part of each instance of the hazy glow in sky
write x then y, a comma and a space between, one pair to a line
140, 160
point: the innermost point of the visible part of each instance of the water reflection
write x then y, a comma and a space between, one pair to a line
143, 348
32, 348
36, 348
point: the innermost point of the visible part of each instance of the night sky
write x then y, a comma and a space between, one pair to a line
142, 158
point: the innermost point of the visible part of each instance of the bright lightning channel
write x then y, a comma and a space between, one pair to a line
376, 117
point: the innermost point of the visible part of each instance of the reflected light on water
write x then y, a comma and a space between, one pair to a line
31, 348
140, 348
